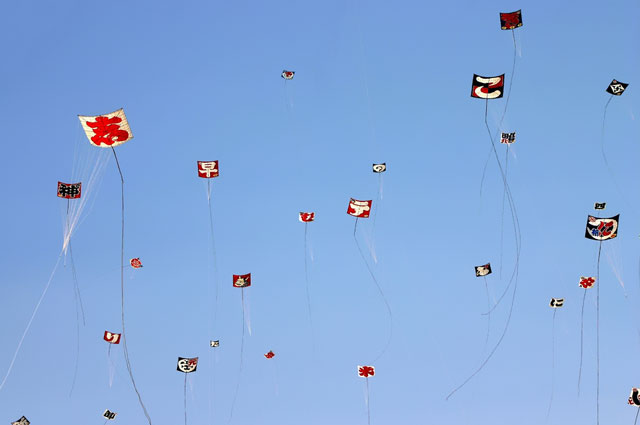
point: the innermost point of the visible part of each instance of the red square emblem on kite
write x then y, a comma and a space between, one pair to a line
242, 280
360, 209
208, 169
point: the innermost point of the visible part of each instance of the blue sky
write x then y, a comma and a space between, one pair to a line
375, 82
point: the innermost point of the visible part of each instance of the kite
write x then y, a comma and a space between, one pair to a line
601, 229
22, 421
287, 75
241, 280
599, 206
587, 282
487, 87
306, 217
69, 190
634, 399
616, 88
379, 168
215, 343
111, 338
359, 209
556, 302
208, 169
136, 263
511, 20
109, 415
270, 355
508, 138
366, 372
483, 270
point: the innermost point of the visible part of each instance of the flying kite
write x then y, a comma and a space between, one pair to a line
270, 355
109, 415
487, 87
587, 282
215, 343
306, 217
616, 88
379, 168
511, 20
601, 229
22, 421
208, 169
135, 263
287, 75
111, 337
556, 302
508, 138
634, 399
483, 270
69, 190
359, 209
599, 205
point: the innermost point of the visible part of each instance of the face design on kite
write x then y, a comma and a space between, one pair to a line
601, 229
366, 371
511, 20
556, 302
22, 421
599, 206
136, 263
483, 270
187, 365
69, 190
241, 280
633, 397
359, 209
287, 75
508, 138
487, 87
306, 217
107, 131
112, 338
215, 343
208, 169
587, 282
270, 354
380, 168
616, 88
109, 415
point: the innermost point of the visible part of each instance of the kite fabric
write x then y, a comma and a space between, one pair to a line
634, 399
208, 169
379, 168
616, 88
111, 338
287, 75
135, 263
270, 354
108, 130
69, 190
359, 209
483, 270
601, 229
215, 343
187, 364
599, 205
556, 302
306, 217
511, 20
508, 138
487, 87
241, 280
22, 421
587, 282
366, 371
109, 414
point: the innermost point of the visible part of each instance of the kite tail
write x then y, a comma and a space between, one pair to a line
306, 277
235, 395
33, 315
185, 399
124, 338
553, 359
581, 339
384, 298
367, 400
598, 337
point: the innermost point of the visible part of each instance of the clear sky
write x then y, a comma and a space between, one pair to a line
375, 82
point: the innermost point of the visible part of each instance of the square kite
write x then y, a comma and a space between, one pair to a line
108, 130
366, 371
511, 20
380, 168
483, 270
208, 169
187, 364
109, 414
487, 87
616, 88
306, 217
359, 209
241, 280
601, 229
508, 138
556, 302
112, 338
69, 190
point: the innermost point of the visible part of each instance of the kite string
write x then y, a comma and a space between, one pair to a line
636, 420
506, 171
185, 399
213, 252
598, 336
306, 277
368, 409
553, 360
384, 298
124, 339
235, 396
581, 339
486, 286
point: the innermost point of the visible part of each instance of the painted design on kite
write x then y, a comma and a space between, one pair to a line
366, 371
601, 229
241, 280
556, 302
487, 87
187, 364
616, 88
270, 354
359, 209
109, 415
111, 338
287, 75
511, 20
587, 282
379, 168
483, 270
306, 217
208, 169
508, 138
108, 130
69, 190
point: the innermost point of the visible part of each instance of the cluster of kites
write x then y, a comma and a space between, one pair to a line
112, 129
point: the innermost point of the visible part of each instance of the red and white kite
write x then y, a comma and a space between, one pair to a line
270, 354
111, 337
136, 263
69, 190
587, 282
108, 130
208, 169
359, 209
366, 371
241, 280
306, 217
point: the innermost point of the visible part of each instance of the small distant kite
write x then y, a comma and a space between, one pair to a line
616, 88
136, 263
601, 229
487, 87
109, 414
599, 206
508, 138
359, 209
587, 282
306, 217
483, 270
22, 421
511, 20
69, 190
187, 364
287, 75
270, 354
208, 169
633, 397
112, 338
108, 130
215, 343
556, 302
241, 280
366, 371
379, 168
